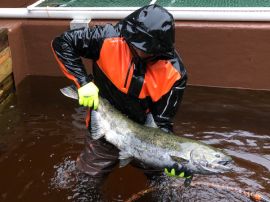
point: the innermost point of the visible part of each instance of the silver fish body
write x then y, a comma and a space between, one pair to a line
151, 145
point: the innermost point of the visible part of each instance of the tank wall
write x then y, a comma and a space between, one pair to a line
224, 54
30, 43
37, 38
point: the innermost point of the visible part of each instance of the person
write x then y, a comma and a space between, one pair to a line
135, 67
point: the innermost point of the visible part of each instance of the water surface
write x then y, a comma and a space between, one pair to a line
42, 133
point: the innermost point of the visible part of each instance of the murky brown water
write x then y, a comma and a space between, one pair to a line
42, 132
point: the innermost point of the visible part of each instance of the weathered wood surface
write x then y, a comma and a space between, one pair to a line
5, 69
6, 78
3, 106
5, 54
6, 87
3, 38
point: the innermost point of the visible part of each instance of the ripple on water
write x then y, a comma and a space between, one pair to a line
267, 156
236, 142
255, 158
211, 141
238, 133
188, 135
202, 189
250, 182
83, 187
251, 143
64, 175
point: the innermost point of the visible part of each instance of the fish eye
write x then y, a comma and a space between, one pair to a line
217, 155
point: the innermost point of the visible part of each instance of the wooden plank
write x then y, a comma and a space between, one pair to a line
3, 38
6, 103
5, 54
6, 82
5, 69
6, 87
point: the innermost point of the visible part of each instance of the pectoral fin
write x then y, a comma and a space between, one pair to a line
125, 158
150, 122
70, 91
179, 159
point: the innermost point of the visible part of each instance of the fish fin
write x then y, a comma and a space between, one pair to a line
179, 159
97, 131
124, 162
125, 158
150, 122
70, 91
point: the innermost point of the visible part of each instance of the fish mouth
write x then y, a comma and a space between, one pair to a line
224, 162
219, 167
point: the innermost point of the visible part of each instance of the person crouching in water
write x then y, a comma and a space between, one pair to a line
135, 67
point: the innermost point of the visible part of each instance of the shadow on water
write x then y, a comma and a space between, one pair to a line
42, 133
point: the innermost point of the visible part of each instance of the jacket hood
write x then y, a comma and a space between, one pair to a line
150, 29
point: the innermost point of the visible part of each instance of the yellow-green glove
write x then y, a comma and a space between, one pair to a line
88, 95
175, 171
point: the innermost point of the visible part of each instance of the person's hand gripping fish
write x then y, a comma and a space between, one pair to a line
88, 95
175, 171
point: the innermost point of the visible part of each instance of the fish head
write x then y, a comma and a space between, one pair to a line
208, 160
203, 159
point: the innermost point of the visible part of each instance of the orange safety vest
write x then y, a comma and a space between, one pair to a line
115, 61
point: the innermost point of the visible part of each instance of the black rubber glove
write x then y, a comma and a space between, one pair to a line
176, 171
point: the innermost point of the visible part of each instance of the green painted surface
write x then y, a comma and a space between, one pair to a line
94, 3
214, 3
166, 3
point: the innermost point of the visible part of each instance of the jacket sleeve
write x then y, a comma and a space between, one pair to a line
165, 108
69, 47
